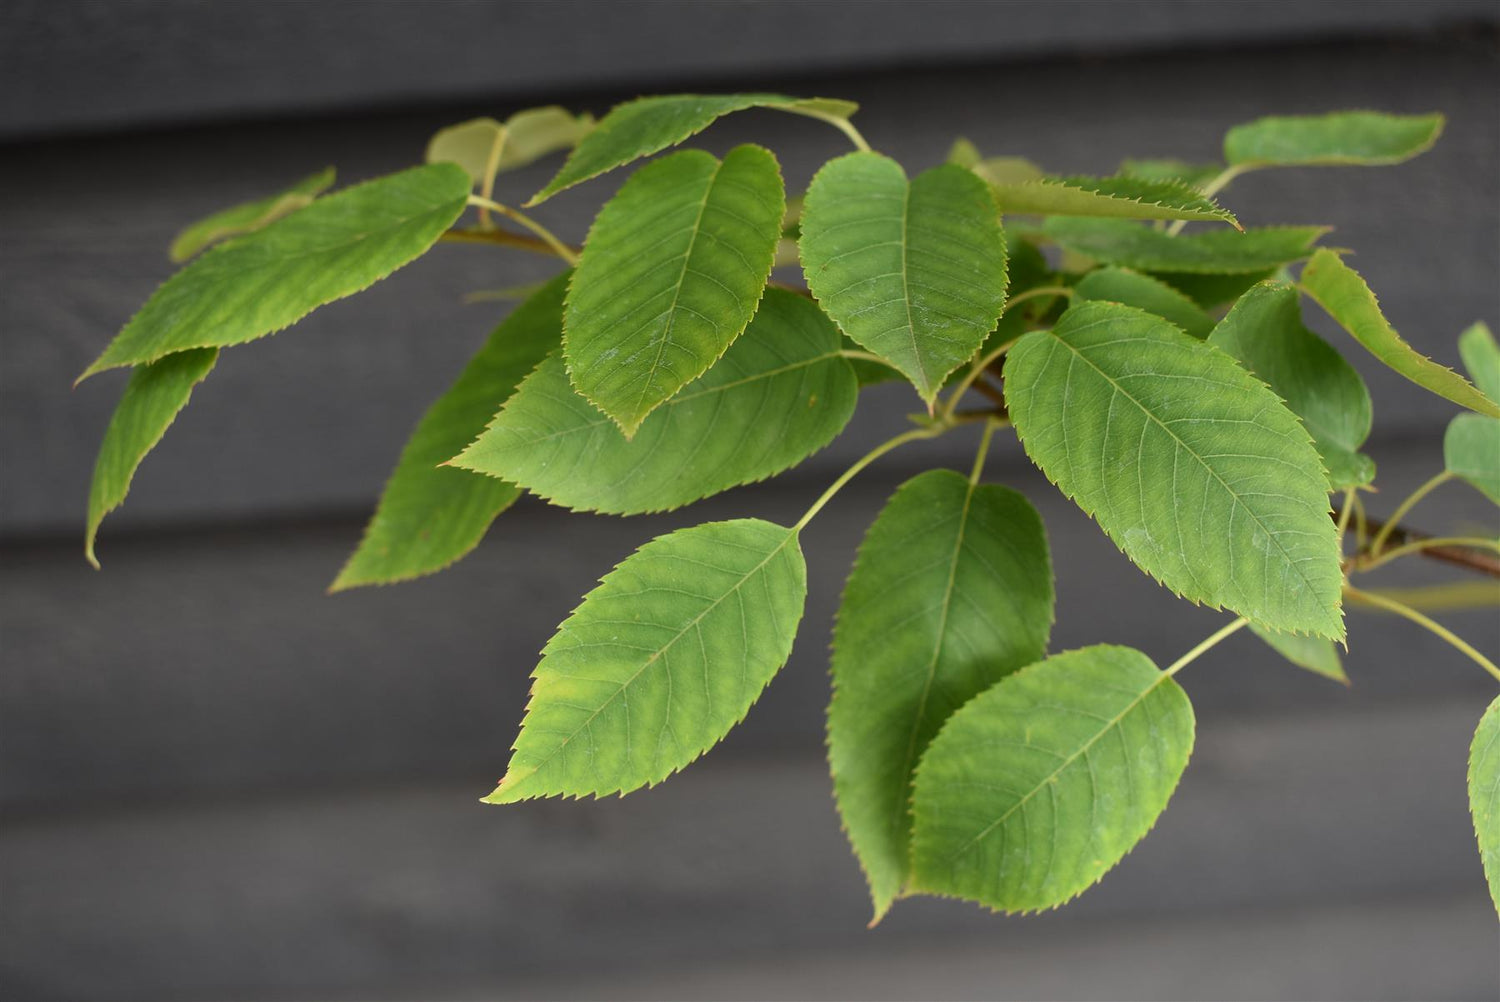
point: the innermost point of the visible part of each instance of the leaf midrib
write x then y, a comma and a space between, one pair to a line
537, 767
1108, 726
1271, 536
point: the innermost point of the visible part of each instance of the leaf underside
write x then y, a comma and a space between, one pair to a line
1193, 467
1265, 333
259, 283
1167, 169
1131, 288
1343, 293
485, 147
152, 400
1214, 252
429, 515
670, 275
659, 661
1484, 794
1481, 355
249, 216
914, 272
1042, 783
1317, 654
1110, 197
951, 592
1471, 450
780, 393
1355, 138
649, 125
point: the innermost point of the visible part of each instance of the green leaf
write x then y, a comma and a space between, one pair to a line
152, 399
1131, 288
430, 515
485, 147
1008, 170
914, 272
779, 394
670, 275
649, 125
951, 592
660, 661
1109, 197
964, 153
249, 216
1471, 450
1165, 169
1484, 794
259, 283
1476, 346
1215, 252
1210, 291
1264, 332
1343, 293
1191, 465
1316, 654
1042, 783
1359, 138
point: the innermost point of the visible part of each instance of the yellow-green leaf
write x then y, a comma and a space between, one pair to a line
1471, 450
1358, 138
152, 400
1343, 293
1484, 794
1109, 197
1318, 655
249, 216
1476, 346
660, 661
1121, 285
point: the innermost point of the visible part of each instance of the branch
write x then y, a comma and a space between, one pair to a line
1460, 556
505, 238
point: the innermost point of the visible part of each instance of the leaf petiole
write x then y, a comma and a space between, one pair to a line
559, 248
1437, 629
1207, 644
916, 434
1406, 506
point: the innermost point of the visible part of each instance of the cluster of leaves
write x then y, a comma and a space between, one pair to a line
1164, 381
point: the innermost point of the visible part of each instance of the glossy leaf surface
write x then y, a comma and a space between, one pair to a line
152, 400
259, 283
431, 515
1193, 467
914, 272
659, 661
1264, 331
952, 591
779, 394
1042, 783
673, 269
1343, 293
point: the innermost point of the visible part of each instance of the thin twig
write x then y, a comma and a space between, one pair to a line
1460, 556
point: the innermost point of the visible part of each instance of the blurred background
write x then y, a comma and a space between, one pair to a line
219, 783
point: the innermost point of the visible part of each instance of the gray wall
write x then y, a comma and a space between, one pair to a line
217, 782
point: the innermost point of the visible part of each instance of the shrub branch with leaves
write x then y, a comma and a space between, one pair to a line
1163, 380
